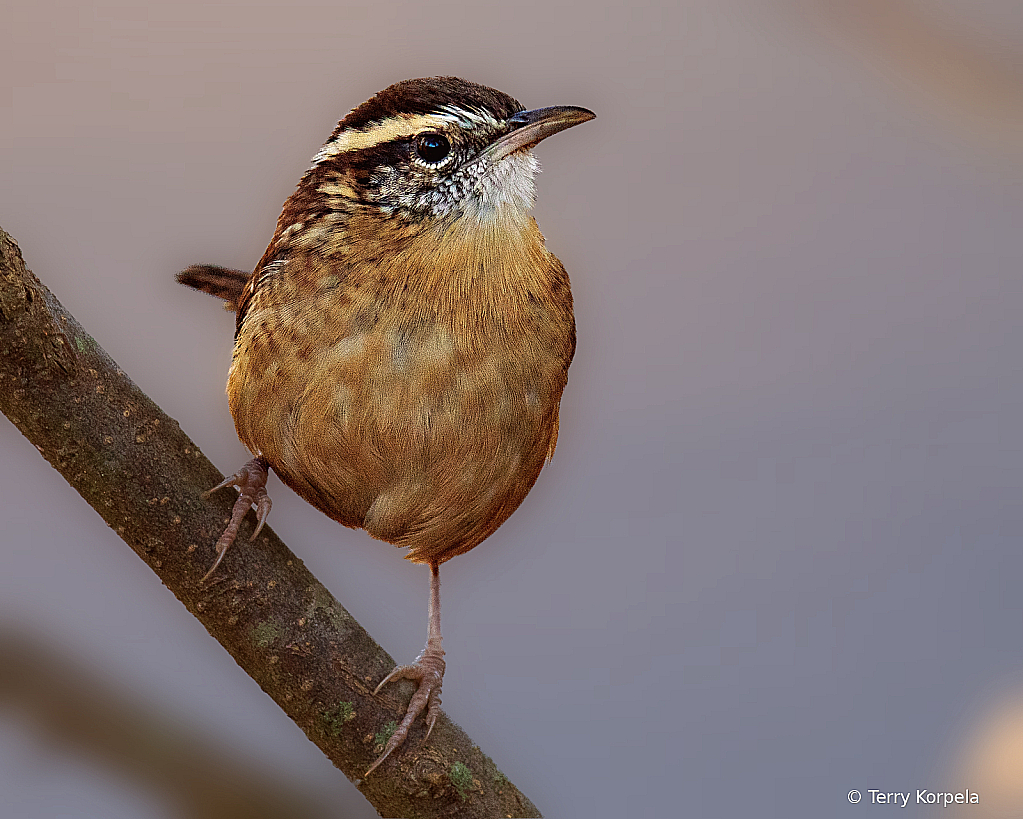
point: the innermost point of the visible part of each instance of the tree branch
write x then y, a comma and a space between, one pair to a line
135, 466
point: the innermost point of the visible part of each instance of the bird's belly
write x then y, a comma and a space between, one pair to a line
415, 438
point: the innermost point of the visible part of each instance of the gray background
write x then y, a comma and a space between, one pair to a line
778, 554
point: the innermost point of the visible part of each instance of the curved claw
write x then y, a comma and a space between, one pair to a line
263, 506
397, 672
233, 480
428, 670
213, 568
380, 759
251, 483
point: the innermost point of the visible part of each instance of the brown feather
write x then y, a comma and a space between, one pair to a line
413, 393
222, 282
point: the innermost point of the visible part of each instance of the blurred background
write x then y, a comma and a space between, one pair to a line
778, 554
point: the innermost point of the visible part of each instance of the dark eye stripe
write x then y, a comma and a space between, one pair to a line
391, 153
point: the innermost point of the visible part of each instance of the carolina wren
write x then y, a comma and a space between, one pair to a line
402, 346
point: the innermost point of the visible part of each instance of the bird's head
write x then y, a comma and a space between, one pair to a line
436, 149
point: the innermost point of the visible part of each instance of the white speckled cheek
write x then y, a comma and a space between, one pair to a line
443, 199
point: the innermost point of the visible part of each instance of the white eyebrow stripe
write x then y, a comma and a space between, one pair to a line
397, 127
467, 117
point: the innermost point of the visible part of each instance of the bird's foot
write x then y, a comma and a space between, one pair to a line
428, 671
251, 483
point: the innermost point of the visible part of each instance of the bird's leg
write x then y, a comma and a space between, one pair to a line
251, 483
427, 670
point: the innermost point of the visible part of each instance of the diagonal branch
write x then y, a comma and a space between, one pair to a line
135, 466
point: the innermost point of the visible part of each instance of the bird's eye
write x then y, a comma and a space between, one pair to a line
432, 148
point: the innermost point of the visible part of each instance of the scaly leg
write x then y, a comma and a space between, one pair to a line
251, 483
428, 670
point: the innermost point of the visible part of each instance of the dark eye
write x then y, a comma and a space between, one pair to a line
432, 148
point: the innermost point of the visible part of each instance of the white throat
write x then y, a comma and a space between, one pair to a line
506, 185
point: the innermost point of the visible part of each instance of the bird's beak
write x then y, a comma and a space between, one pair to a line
529, 127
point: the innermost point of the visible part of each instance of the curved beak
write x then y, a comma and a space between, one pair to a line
529, 127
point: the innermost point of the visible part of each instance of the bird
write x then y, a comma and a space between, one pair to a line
402, 346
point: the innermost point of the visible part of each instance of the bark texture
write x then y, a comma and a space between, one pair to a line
134, 465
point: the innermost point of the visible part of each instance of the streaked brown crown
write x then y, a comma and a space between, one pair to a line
427, 95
